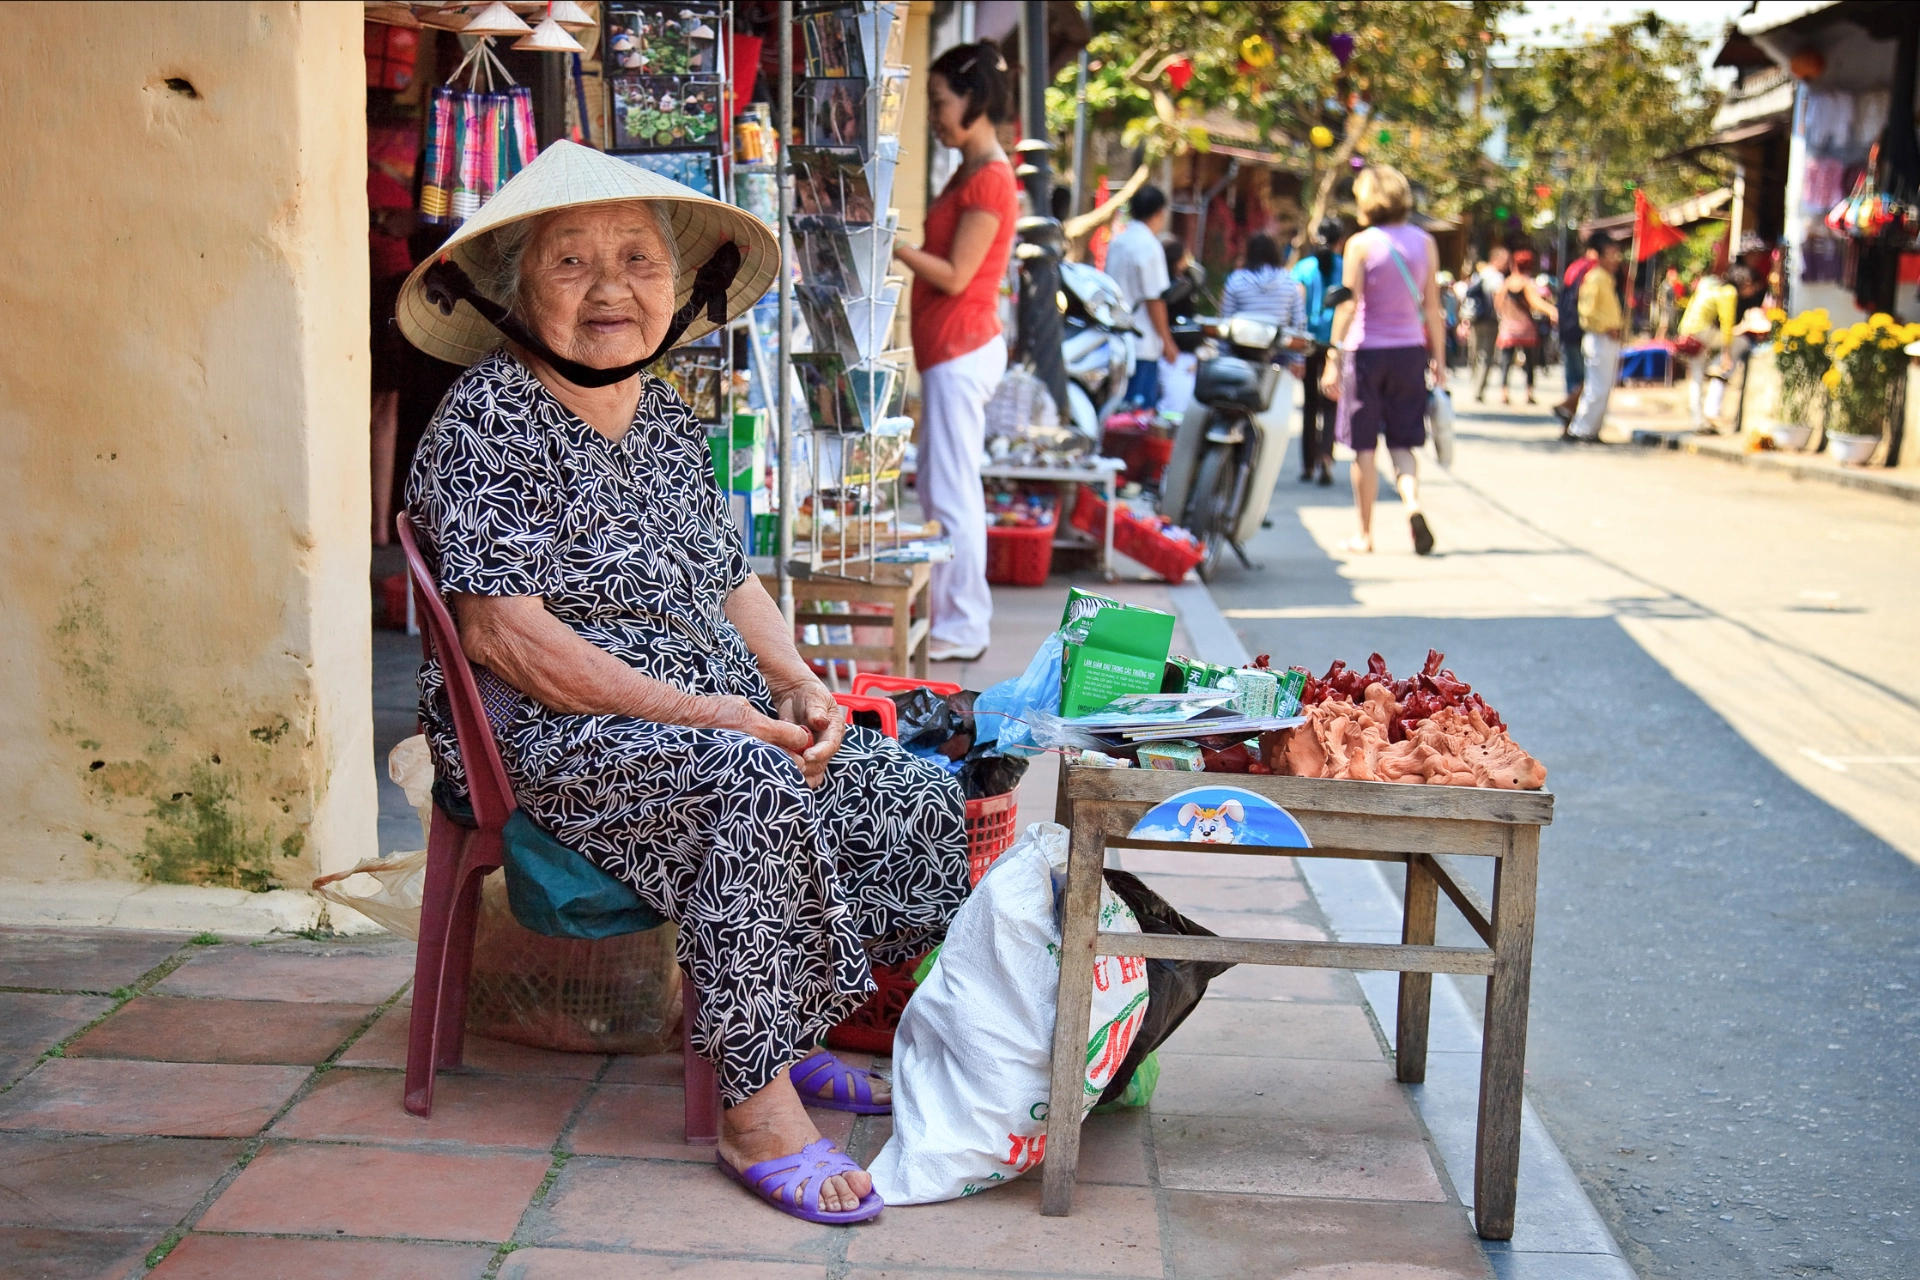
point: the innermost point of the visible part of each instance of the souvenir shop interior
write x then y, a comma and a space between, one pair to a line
461, 96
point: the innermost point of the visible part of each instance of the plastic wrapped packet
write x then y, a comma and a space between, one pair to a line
1179, 756
1256, 693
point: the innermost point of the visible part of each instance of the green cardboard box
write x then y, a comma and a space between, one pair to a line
740, 457
1111, 650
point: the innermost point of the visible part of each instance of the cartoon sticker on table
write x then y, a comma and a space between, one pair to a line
1221, 815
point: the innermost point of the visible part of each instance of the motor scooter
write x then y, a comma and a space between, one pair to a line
1098, 354
1229, 446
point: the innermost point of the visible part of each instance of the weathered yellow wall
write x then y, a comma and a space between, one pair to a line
184, 651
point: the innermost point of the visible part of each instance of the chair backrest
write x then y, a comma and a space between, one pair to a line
487, 787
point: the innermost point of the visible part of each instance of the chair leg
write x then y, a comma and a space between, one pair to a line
702, 1088
437, 909
458, 970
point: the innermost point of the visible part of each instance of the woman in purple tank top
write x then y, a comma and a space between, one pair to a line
1388, 340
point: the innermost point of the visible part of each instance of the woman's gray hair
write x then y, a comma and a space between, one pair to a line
499, 256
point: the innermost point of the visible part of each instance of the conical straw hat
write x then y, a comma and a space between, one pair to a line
564, 176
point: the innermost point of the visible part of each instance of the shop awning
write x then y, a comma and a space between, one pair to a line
1674, 215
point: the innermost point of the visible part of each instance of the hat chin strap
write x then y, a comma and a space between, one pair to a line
446, 285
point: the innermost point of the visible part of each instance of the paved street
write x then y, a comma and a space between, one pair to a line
1717, 666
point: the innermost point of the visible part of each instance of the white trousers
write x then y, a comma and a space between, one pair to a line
1703, 402
1603, 370
953, 420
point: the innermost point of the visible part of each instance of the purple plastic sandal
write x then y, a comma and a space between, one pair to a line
823, 1080
792, 1184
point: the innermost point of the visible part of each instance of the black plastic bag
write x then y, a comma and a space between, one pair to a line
987, 773
1174, 987
941, 722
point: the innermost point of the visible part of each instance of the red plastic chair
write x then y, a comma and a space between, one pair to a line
882, 707
458, 858
868, 681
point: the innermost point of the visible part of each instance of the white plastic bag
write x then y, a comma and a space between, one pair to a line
971, 1058
1440, 424
389, 890
1177, 377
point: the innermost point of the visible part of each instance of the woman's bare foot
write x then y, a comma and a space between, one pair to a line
1359, 544
773, 1123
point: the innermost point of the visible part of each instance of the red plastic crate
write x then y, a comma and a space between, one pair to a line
1021, 557
1171, 558
990, 822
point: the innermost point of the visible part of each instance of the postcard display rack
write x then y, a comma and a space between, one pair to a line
846, 120
668, 112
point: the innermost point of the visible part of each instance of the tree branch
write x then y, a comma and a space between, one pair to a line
1088, 222
1323, 190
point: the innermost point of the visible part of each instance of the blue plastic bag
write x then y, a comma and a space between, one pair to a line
1001, 711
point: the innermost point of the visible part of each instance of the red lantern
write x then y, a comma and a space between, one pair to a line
1179, 72
1542, 192
1808, 64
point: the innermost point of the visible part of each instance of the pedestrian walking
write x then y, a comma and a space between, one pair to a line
1138, 265
1706, 340
1319, 274
1449, 314
1387, 343
1261, 289
957, 344
1477, 312
1518, 304
1605, 327
1571, 334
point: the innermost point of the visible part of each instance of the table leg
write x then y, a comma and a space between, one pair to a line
1106, 549
1073, 1006
902, 624
1503, 1051
1416, 989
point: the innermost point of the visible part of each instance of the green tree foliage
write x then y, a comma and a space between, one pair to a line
1593, 120
1414, 76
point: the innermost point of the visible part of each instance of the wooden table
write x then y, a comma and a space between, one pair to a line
1421, 827
899, 586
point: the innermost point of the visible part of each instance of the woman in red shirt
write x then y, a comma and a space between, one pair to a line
956, 333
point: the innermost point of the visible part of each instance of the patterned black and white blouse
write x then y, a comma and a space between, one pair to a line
781, 892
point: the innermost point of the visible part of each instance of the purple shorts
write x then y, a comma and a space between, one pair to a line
1383, 391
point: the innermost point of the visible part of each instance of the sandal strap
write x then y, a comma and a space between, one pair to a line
797, 1179
816, 1073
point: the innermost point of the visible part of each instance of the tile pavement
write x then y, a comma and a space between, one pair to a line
235, 1110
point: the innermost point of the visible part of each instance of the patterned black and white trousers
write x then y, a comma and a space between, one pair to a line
782, 893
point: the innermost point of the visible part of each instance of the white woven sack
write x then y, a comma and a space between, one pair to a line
971, 1058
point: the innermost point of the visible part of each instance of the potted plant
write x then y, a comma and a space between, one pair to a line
1801, 358
1868, 359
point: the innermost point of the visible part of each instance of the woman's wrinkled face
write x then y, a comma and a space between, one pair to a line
596, 284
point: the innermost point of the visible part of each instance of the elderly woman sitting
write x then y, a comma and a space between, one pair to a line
648, 700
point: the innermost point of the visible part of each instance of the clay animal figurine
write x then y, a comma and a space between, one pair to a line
1212, 826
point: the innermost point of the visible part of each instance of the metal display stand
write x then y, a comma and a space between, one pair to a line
836, 223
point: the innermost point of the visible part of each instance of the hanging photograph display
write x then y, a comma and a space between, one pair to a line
665, 111
688, 168
664, 39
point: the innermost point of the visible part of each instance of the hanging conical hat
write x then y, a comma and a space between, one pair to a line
567, 175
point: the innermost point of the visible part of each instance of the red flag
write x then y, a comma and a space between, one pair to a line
1650, 234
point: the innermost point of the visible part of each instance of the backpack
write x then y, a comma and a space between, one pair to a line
1475, 305
1570, 329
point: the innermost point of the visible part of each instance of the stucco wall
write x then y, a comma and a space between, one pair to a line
184, 651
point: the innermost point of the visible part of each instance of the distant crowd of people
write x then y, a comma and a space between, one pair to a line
1363, 296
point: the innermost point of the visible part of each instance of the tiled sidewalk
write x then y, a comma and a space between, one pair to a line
228, 1110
